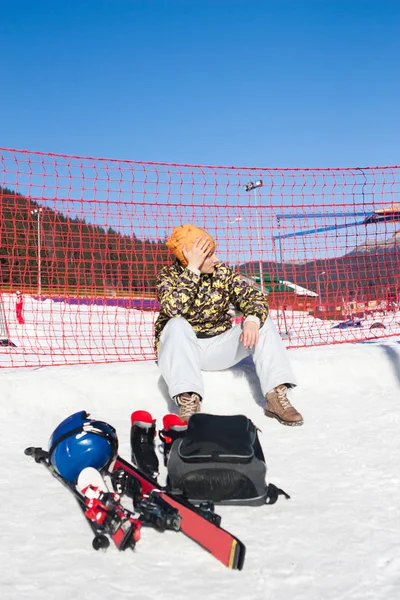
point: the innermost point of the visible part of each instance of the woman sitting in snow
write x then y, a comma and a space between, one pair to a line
194, 330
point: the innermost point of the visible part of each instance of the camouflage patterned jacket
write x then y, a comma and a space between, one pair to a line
204, 300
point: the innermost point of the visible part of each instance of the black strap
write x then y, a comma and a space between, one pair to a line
64, 437
87, 427
273, 494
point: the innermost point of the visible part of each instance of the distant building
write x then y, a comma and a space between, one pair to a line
274, 285
285, 295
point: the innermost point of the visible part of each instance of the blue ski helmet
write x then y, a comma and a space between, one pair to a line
80, 442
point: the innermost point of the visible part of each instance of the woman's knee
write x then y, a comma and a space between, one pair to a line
176, 322
269, 329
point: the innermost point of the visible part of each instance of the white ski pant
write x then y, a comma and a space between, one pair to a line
182, 356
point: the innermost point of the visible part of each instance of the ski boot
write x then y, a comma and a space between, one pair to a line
143, 431
174, 429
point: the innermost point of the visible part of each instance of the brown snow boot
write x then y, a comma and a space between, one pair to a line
189, 403
278, 407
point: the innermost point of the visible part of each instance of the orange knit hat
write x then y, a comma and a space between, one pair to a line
186, 235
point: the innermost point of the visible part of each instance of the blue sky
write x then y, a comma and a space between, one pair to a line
290, 83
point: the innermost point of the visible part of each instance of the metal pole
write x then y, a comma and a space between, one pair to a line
280, 261
37, 212
319, 286
280, 245
248, 187
258, 224
319, 301
286, 334
39, 256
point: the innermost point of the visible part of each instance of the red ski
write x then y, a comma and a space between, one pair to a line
200, 526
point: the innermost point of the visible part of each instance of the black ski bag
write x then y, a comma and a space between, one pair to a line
220, 460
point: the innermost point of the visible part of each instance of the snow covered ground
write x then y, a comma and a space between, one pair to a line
338, 537
60, 333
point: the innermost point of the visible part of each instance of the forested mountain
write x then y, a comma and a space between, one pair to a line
368, 272
74, 254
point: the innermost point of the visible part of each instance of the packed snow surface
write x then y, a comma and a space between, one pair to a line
338, 537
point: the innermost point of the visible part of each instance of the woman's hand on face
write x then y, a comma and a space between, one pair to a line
197, 253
